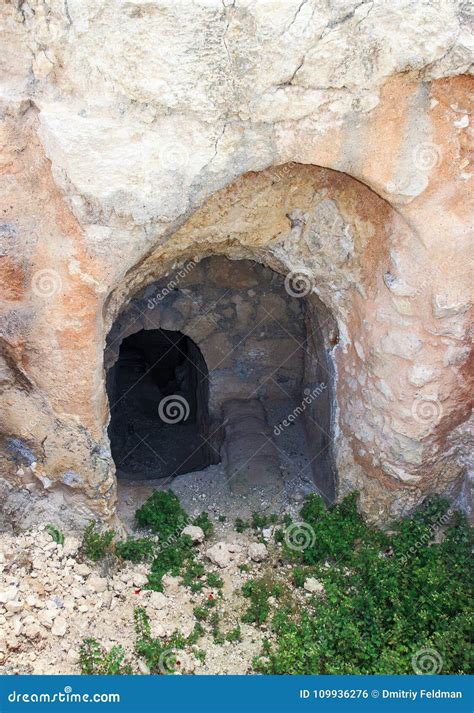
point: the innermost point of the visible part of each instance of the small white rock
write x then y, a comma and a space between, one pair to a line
83, 569
158, 600
73, 656
257, 551
71, 545
8, 594
171, 584
139, 580
14, 606
195, 533
219, 554
313, 585
97, 584
59, 626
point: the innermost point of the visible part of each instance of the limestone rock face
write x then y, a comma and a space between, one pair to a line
327, 140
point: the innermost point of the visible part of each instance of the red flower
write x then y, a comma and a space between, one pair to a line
137, 591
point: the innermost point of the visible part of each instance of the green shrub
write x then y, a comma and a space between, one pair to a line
135, 550
260, 520
192, 574
160, 655
201, 613
95, 544
259, 591
56, 534
196, 634
170, 560
234, 634
214, 581
299, 576
215, 628
94, 660
163, 514
385, 597
241, 525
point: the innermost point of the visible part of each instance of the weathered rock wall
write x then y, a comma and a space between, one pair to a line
325, 137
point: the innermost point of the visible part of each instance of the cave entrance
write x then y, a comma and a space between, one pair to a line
222, 363
158, 391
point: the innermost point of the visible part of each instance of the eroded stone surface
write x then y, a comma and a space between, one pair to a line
123, 159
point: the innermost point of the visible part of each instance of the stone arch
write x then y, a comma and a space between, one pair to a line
397, 350
363, 262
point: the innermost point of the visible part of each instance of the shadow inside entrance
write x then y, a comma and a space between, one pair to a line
158, 395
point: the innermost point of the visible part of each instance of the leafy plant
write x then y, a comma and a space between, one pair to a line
96, 544
170, 560
159, 654
234, 634
260, 520
259, 591
214, 581
94, 660
215, 628
201, 613
135, 550
394, 595
192, 574
196, 634
241, 525
56, 534
163, 514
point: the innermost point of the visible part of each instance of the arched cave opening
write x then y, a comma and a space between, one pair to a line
158, 393
238, 351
